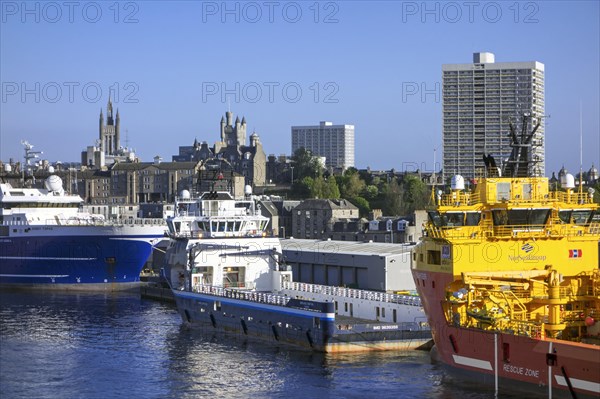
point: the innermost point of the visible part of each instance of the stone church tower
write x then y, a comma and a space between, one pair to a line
109, 132
233, 135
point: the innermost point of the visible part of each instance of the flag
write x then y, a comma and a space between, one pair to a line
575, 253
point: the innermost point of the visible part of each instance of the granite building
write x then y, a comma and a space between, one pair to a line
107, 150
248, 160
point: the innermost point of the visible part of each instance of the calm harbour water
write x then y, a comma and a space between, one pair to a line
74, 345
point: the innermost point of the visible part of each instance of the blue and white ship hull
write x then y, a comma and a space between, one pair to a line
46, 241
78, 262
303, 323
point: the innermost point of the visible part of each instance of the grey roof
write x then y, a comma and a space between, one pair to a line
268, 205
346, 247
145, 165
177, 165
326, 204
285, 206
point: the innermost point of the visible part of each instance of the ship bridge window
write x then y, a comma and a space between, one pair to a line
434, 257
455, 219
520, 217
473, 218
177, 227
437, 219
579, 216
204, 226
217, 226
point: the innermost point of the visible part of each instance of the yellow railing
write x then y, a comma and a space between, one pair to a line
571, 197
462, 198
512, 231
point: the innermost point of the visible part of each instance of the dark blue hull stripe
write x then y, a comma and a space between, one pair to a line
72, 259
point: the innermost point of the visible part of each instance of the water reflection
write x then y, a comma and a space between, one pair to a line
74, 345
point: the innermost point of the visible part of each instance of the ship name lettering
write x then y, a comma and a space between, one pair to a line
509, 368
532, 373
527, 258
385, 327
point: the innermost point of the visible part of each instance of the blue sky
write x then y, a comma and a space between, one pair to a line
177, 67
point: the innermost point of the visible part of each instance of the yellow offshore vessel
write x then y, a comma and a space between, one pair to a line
509, 276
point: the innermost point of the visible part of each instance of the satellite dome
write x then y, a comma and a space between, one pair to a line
8, 168
458, 182
569, 181
248, 190
185, 194
54, 183
51, 169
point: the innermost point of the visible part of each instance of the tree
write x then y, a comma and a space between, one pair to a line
331, 189
302, 188
362, 205
371, 192
318, 187
392, 204
414, 194
351, 185
305, 164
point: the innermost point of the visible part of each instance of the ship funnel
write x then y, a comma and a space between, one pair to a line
457, 182
568, 181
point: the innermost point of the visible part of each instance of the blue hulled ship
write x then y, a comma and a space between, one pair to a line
46, 241
227, 275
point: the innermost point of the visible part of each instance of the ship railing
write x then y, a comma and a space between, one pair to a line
250, 285
515, 231
253, 296
89, 222
459, 232
571, 197
412, 300
460, 198
222, 234
530, 230
225, 213
594, 228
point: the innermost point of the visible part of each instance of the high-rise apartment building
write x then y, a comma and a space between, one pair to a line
479, 101
334, 142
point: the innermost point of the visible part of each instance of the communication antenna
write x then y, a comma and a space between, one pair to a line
29, 155
127, 138
580, 146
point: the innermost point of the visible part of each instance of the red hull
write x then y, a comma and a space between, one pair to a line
506, 362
